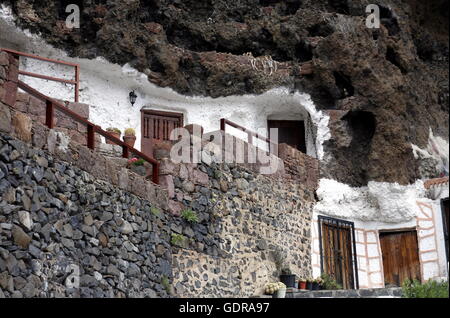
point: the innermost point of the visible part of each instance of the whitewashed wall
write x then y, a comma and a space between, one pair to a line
106, 88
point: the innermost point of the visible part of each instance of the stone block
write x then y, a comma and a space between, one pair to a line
22, 126
167, 183
199, 177
4, 59
175, 208
9, 95
5, 118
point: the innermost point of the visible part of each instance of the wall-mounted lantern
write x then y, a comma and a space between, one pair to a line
133, 98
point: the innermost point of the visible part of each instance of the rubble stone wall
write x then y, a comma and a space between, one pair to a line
76, 224
254, 226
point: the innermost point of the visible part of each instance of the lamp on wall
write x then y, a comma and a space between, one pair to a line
133, 98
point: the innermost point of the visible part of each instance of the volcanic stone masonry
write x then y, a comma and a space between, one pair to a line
75, 224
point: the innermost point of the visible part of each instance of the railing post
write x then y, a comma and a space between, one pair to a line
49, 115
250, 138
155, 177
91, 137
222, 124
125, 152
77, 80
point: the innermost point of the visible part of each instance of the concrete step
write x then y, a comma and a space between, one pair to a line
350, 293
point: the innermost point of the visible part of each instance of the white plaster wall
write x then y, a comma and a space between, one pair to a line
440, 238
378, 202
105, 86
385, 207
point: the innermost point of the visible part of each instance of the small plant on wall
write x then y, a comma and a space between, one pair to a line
136, 162
179, 240
190, 216
155, 211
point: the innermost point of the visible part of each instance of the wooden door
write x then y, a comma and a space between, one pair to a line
291, 132
157, 127
400, 252
337, 251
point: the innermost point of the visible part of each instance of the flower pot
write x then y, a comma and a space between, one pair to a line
281, 293
309, 286
117, 135
315, 286
288, 280
129, 140
302, 285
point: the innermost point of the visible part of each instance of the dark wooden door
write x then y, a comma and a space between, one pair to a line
157, 127
337, 251
291, 132
400, 257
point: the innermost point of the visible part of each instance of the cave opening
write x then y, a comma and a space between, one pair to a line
389, 20
148, 11
344, 85
362, 126
303, 52
320, 29
340, 6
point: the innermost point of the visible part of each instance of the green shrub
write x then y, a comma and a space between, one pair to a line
430, 289
139, 162
155, 211
189, 216
329, 283
178, 240
166, 283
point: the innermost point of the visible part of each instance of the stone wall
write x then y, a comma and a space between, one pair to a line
250, 227
35, 109
64, 208
299, 166
58, 221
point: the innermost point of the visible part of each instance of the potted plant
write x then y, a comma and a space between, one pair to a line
309, 284
129, 137
115, 132
302, 284
277, 290
329, 283
317, 284
287, 278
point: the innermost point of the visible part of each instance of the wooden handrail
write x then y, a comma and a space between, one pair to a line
53, 105
75, 82
224, 122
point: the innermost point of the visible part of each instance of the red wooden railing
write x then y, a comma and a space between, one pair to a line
75, 82
251, 134
52, 105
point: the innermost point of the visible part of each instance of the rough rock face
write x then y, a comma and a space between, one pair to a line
385, 87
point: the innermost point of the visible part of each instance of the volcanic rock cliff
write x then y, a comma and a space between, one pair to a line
383, 88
